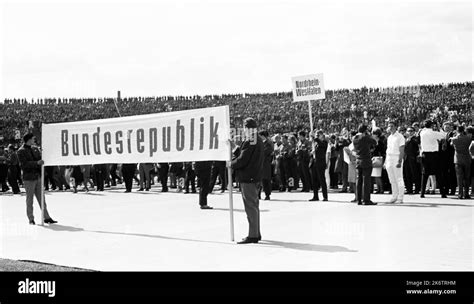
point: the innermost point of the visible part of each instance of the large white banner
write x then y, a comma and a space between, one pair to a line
193, 135
308, 87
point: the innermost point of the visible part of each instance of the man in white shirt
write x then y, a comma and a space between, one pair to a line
393, 162
429, 147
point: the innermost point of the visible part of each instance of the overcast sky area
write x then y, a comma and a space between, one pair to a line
94, 48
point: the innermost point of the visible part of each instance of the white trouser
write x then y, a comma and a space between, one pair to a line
395, 175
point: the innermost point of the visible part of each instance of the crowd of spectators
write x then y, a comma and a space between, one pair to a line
275, 112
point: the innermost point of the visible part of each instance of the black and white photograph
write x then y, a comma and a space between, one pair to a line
236, 137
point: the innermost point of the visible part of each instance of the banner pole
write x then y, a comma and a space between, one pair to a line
231, 201
42, 195
310, 116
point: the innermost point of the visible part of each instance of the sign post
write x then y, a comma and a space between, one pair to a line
42, 195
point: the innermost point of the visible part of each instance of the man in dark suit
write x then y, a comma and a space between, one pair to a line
318, 166
412, 165
303, 149
267, 165
363, 146
248, 170
447, 172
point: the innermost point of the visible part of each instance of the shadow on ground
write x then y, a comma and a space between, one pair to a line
272, 243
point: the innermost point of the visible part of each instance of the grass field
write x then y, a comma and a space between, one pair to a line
30, 266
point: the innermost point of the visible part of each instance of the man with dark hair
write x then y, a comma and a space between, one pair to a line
412, 166
3, 169
30, 160
429, 154
318, 166
267, 165
13, 169
363, 146
462, 161
303, 149
446, 155
248, 170
394, 162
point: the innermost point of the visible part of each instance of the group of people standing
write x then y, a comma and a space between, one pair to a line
408, 156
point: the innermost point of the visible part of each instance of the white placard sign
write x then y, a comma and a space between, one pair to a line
308, 87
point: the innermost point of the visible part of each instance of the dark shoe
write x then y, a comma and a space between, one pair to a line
223, 190
164, 190
259, 238
369, 203
354, 201
186, 192
32, 222
467, 197
147, 189
444, 196
325, 199
422, 196
50, 221
206, 207
248, 240
194, 191
359, 203
460, 197
126, 191
267, 198
314, 199
141, 189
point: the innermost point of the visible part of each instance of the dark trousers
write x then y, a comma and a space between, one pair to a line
412, 174
164, 169
333, 178
429, 164
283, 173
204, 186
345, 176
446, 174
99, 176
364, 183
218, 169
128, 172
190, 180
13, 178
319, 179
48, 178
113, 174
463, 173
267, 187
303, 171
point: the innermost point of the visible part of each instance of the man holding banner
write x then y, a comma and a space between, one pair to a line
248, 168
30, 163
181, 136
